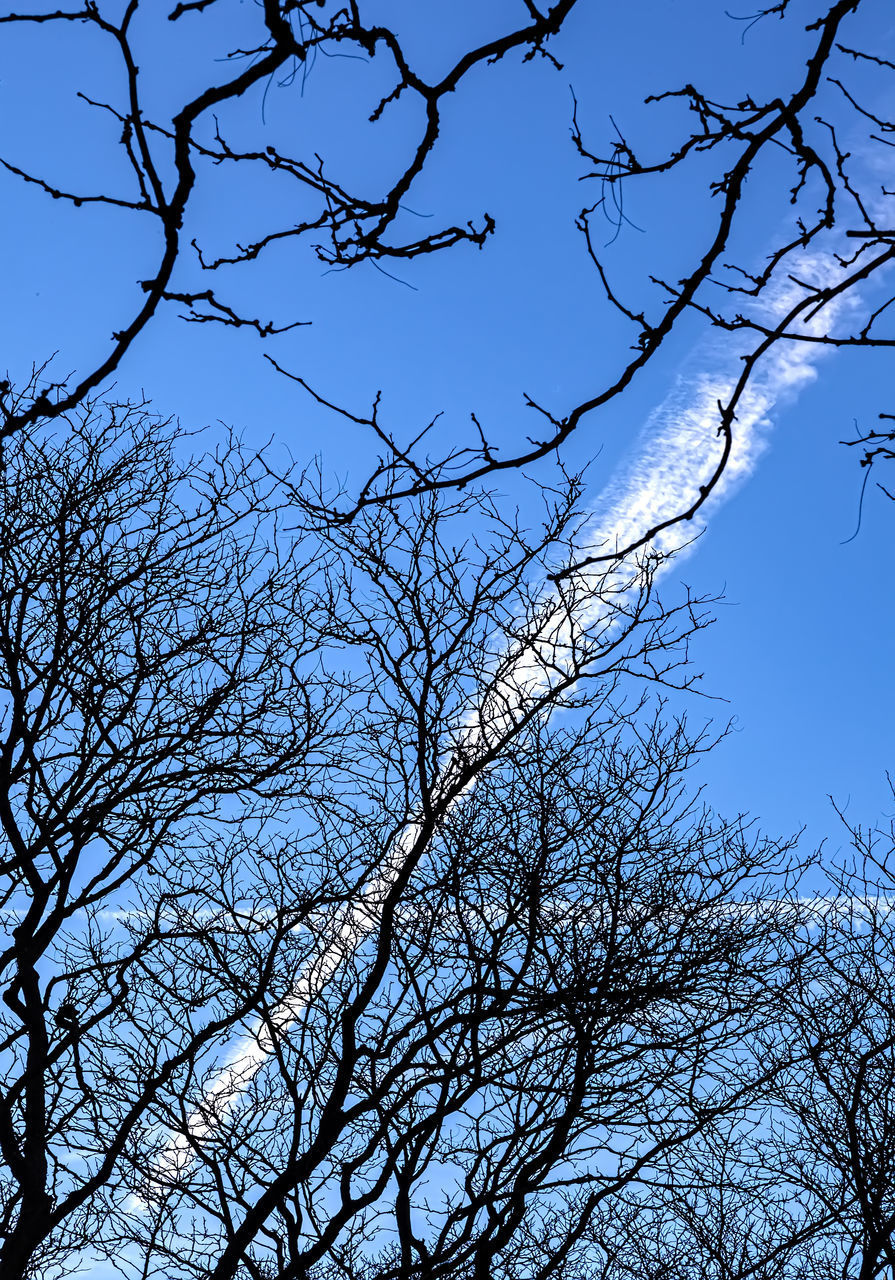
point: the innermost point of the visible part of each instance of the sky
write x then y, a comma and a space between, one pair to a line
799, 658
799, 647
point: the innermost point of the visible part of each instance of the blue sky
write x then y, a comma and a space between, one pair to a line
800, 649
800, 655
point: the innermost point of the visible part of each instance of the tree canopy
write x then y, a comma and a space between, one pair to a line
363, 913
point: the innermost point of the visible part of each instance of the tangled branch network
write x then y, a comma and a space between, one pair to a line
678, 453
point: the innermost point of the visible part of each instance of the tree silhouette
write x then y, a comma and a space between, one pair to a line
807, 153
358, 919
339, 862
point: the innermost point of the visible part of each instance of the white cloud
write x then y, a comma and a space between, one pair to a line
677, 452
679, 447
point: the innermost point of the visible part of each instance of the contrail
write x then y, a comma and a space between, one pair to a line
678, 451
678, 447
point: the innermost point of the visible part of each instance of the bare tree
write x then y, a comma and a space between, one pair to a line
728, 1205
801, 1180
171, 132
808, 162
803, 160
357, 821
157, 684
824, 281
558, 998
359, 921
835, 1134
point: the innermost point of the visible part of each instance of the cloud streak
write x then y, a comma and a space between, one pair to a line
677, 451
678, 448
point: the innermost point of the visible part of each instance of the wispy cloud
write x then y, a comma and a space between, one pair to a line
677, 451
678, 447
